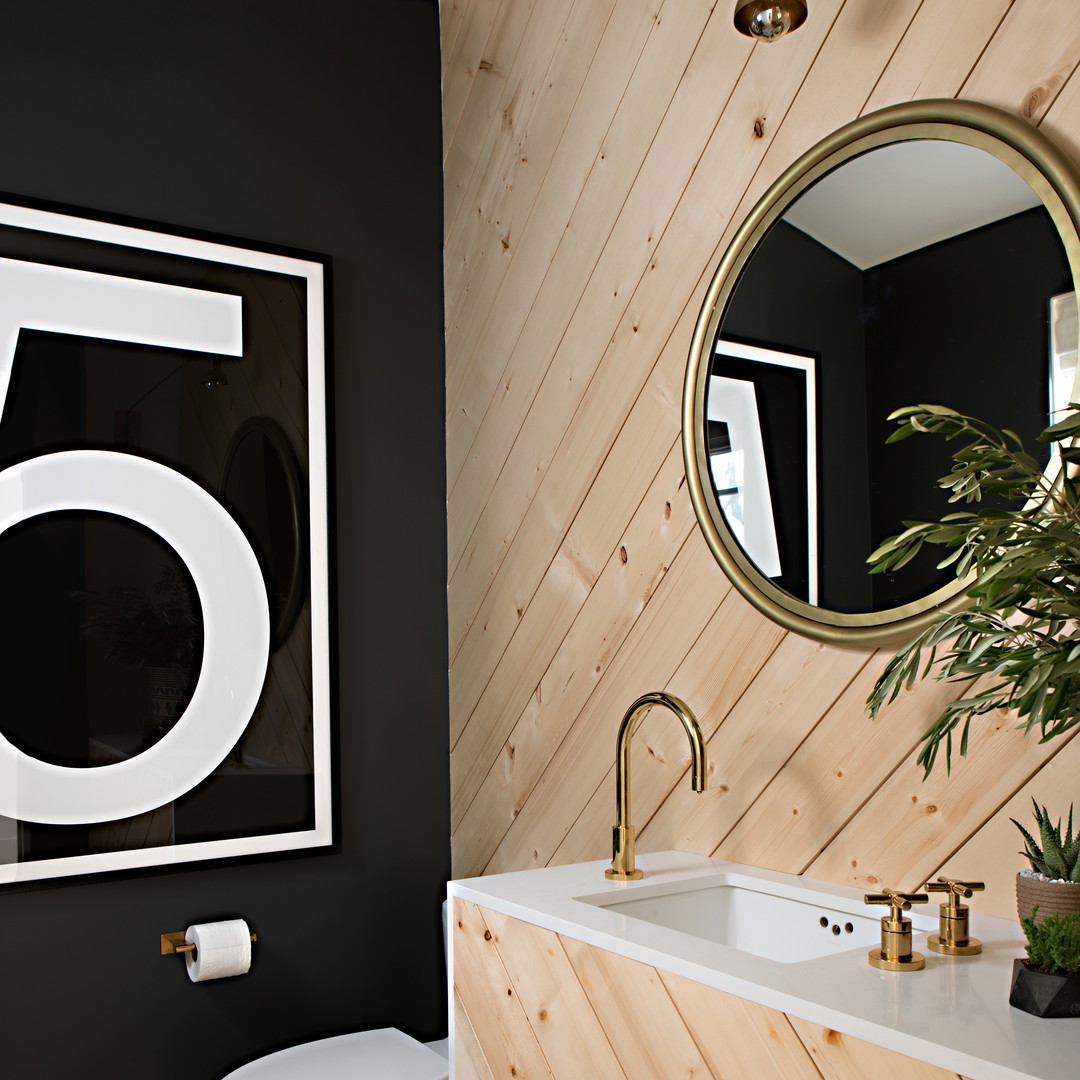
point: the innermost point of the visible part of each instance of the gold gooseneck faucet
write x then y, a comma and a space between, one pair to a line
622, 859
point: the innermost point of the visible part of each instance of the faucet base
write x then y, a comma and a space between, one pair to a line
912, 962
968, 947
622, 855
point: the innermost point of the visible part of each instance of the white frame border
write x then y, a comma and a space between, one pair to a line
313, 272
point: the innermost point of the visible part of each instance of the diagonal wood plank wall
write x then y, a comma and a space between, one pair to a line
532, 1003
599, 155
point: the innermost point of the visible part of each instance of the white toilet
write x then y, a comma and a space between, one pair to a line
382, 1054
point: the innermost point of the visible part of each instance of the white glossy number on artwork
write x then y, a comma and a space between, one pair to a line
236, 620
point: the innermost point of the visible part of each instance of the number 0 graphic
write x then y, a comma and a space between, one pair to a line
236, 621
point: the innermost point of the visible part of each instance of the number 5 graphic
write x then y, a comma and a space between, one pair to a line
236, 620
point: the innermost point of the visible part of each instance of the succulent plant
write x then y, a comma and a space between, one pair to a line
1054, 856
1054, 944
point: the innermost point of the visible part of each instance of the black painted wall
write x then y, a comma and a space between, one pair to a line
313, 125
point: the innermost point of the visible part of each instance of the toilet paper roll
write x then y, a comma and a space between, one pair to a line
221, 949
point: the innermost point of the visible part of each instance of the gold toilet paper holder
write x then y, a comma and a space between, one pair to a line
175, 943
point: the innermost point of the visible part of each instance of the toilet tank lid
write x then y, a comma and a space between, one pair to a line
384, 1051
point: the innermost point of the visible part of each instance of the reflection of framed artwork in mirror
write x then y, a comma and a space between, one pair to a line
1063, 324
752, 388
912, 254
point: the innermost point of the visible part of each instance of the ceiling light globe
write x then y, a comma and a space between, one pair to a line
767, 20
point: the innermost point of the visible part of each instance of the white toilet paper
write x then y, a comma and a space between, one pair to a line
221, 949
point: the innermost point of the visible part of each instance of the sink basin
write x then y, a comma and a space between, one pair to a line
788, 924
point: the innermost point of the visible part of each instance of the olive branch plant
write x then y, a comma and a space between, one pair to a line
1020, 623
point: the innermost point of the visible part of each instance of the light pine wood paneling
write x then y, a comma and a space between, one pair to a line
502, 1032
500, 291
477, 89
1023, 70
739, 1038
469, 1061
634, 1008
558, 1008
843, 1057
943, 43
519, 988
577, 579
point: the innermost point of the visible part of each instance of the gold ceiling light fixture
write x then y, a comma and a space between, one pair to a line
767, 20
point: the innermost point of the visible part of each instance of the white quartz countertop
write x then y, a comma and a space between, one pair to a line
954, 1013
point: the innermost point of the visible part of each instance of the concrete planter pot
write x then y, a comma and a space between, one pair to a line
1042, 994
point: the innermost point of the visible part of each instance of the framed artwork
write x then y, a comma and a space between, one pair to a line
163, 551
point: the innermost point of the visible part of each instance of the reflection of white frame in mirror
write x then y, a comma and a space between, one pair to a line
739, 473
1062, 354
759, 536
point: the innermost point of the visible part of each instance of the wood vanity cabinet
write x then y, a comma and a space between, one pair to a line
530, 1003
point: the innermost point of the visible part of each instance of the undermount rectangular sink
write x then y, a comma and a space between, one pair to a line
746, 915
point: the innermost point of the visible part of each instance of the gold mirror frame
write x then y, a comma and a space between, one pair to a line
1050, 174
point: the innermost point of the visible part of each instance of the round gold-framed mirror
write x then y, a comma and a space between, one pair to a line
916, 255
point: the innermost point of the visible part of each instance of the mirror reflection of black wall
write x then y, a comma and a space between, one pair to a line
103, 640
797, 295
984, 297
962, 323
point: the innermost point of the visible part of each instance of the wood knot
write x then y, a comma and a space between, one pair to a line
484, 65
624, 558
487, 935
542, 1015
759, 127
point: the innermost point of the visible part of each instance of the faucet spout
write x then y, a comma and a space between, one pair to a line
622, 860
